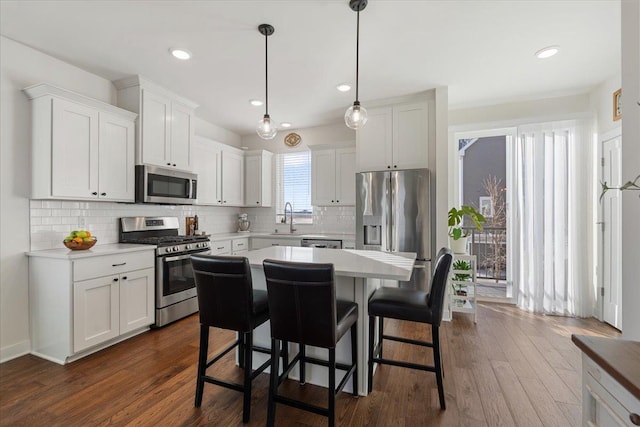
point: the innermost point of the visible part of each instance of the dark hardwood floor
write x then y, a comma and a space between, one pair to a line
512, 368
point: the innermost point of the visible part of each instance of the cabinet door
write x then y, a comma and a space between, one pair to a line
323, 178
156, 111
137, 293
232, 178
410, 136
346, 176
181, 136
253, 177
74, 150
95, 311
207, 163
116, 158
374, 141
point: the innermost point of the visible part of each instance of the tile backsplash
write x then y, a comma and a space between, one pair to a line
52, 220
326, 219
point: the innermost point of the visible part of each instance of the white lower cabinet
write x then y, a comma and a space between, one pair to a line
259, 242
82, 305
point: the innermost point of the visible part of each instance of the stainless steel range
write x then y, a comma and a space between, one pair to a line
175, 285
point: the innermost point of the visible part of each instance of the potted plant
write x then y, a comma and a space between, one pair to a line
457, 236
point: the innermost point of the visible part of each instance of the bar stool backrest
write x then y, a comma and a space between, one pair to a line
439, 284
302, 302
225, 291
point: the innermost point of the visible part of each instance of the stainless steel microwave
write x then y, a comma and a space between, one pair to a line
167, 186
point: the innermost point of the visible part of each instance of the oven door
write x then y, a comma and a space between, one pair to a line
174, 279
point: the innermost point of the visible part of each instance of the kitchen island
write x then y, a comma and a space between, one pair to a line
357, 275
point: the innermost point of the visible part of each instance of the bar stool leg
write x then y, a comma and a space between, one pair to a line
332, 387
380, 332
438, 363
248, 370
303, 369
273, 382
354, 356
202, 363
241, 351
372, 344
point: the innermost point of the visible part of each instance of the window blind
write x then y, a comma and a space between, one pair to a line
293, 184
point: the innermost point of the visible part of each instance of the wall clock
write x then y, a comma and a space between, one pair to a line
292, 139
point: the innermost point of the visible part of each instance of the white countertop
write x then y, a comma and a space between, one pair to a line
97, 250
346, 262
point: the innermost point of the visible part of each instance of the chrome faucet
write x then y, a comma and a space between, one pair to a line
291, 229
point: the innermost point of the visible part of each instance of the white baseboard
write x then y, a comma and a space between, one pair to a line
15, 350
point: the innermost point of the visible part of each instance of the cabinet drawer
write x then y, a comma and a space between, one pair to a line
88, 268
221, 247
240, 244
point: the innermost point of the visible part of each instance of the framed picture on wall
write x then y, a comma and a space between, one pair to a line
617, 105
486, 207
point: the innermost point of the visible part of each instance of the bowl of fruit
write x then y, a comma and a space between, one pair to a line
79, 240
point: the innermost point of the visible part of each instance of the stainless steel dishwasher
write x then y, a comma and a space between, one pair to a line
321, 243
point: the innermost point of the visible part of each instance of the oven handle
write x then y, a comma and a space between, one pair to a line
180, 257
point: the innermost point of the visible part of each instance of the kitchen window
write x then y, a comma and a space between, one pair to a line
293, 184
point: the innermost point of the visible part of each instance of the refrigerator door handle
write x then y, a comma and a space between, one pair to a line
392, 226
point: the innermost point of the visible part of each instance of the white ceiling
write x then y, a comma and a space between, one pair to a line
482, 50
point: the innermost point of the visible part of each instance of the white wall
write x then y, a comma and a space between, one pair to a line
216, 133
601, 100
21, 66
630, 168
515, 113
330, 134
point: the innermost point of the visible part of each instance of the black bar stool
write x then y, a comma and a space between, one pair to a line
227, 300
414, 306
304, 310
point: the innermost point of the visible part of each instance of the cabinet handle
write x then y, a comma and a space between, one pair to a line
103, 194
118, 265
275, 244
388, 166
395, 166
332, 201
337, 201
124, 278
115, 280
257, 203
168, 164
174, 164
221, 247
95, 193
224, 201
635, 419
240, 244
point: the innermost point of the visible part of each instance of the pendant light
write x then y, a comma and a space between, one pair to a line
266, 127
356, 116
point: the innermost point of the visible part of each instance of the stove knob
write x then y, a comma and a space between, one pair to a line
187, 247
199, 245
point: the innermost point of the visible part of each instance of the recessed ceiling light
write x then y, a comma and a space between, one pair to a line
180, 53
285, 124
547, 52
256, 102
244, 148
343, 87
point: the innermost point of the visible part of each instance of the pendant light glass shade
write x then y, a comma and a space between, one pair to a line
266, 128
356, 116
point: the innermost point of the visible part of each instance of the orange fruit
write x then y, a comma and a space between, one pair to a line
88, 233
78, 239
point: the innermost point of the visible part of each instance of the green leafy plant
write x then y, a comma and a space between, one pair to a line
460, 265
457, 215
629, 185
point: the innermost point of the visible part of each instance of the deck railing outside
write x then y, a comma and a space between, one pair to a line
490, 246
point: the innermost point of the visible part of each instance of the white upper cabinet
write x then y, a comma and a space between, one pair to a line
166, 128
82, 148
333, 177
395, 137
232, 177
207, 164
258, 168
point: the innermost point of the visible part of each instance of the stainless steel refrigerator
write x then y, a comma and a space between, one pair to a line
393, 214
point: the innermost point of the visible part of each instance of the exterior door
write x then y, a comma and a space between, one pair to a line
612, 233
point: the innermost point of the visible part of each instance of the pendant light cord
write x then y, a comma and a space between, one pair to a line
357, 52
266, 74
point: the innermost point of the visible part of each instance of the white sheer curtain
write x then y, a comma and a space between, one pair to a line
552, 219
